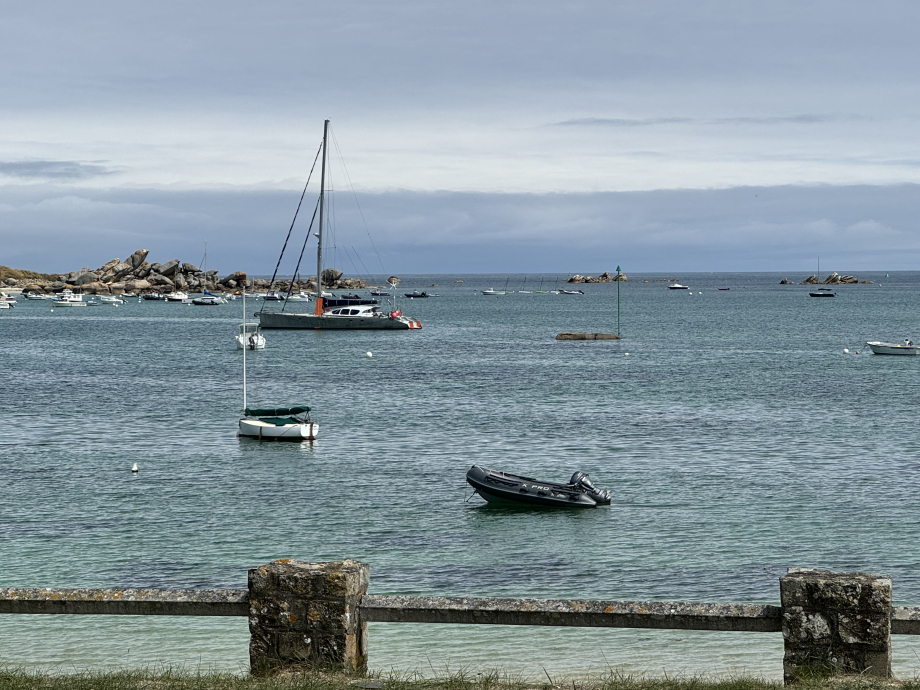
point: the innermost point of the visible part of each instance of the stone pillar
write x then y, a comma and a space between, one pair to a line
306, 615
835, 622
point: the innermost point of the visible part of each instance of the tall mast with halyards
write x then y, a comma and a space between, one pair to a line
319, 249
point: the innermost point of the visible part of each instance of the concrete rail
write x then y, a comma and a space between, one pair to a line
602, 614
128, 602
409, 609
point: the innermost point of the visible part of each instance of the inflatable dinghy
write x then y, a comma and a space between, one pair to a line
504, 488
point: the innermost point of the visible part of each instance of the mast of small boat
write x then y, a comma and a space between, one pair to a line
319, 243
244, 349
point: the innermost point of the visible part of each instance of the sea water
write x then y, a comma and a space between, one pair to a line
736, 435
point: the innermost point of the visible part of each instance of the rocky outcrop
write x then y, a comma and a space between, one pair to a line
604, 277
785, 281
136, 274
138, 258
331, 276
834, 279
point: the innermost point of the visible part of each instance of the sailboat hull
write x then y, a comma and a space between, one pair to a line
255, 428
268, 319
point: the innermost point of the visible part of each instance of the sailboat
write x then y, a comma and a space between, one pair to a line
364, 316
274, 423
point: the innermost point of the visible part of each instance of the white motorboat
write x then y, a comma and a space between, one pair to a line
905, 348
177, 296
36, 295
324, 316
9, 299
66, 298
111, 300
300, 296
250, 337
678, 286
6, 305
208, 300
492, 292
571, 292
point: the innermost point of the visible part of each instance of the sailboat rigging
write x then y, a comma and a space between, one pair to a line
331, 314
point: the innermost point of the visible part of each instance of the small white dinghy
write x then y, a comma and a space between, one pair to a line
905, 348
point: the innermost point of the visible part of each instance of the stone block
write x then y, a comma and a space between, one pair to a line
836, 622
306, 614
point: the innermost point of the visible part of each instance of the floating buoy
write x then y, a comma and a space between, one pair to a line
370, 354
846, 351
627, 354
134, 467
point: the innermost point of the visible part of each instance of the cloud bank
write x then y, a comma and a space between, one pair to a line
56, 228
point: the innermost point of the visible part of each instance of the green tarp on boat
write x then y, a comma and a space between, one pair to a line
275, 411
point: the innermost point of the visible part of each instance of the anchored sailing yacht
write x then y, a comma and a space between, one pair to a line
323, 318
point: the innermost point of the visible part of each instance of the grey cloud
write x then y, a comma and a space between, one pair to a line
858, 227
53, 170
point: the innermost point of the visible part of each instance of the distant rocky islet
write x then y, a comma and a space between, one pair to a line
832, 279
135, 274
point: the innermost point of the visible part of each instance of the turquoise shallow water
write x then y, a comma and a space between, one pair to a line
737, 437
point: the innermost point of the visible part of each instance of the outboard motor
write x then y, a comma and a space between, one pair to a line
581, 482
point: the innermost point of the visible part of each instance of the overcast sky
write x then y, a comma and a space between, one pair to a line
478, 136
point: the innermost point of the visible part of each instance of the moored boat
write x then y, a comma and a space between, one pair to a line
250, 337
905, 348
503, 488
279, 424
678, 286
328, 314
207, 300
67, 298
823, 292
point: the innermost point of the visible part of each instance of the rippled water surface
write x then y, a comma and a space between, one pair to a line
737, 437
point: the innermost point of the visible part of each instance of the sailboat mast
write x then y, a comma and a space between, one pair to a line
244, 350
319, 244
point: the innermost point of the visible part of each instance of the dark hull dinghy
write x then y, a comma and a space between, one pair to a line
512, 489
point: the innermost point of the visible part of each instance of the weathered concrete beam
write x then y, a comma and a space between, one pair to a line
587, 336
607, 614
128, 602
905, 620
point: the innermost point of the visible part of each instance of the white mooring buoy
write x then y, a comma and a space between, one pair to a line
370, 354
134, 467
846, 351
